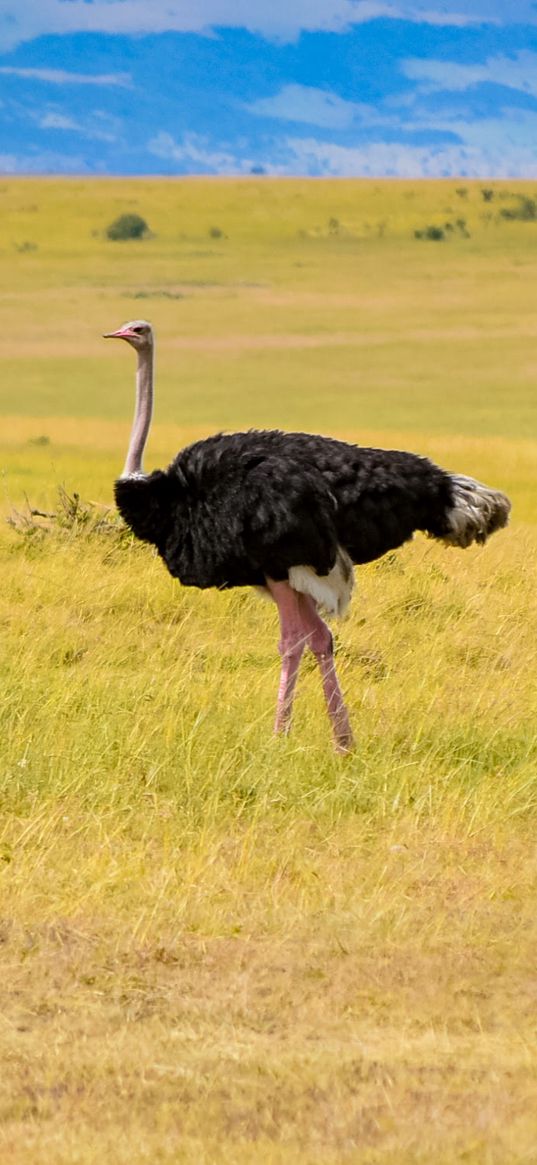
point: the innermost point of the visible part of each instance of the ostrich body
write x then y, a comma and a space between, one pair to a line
292, 513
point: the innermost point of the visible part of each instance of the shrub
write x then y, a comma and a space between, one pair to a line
127, 226
434, 234
216, 233
487, 193
526, 211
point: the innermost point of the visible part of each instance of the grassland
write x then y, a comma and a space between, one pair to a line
216, 947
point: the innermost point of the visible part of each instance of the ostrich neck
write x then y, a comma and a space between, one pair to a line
142, 413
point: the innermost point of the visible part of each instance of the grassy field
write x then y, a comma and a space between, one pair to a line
216, 947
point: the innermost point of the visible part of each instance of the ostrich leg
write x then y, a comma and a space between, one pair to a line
320, 640
293, 639
301, 626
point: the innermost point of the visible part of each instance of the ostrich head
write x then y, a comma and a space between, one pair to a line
138, 333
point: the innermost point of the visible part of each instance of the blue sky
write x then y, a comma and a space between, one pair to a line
315, 87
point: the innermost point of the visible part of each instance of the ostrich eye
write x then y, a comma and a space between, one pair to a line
137, 330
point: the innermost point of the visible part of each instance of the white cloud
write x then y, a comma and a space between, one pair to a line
62, 77
54, 120
313, 106
515, 130
377, 159
452, 16
516, 72
47, 162
495, 147
462, 12
99, 126
274, 18
198, 154
283, 19
514, 133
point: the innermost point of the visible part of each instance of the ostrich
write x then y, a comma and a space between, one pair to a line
290, 513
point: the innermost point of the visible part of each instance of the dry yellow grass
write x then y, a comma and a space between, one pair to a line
217, 947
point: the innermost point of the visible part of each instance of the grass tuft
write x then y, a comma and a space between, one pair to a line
72, 518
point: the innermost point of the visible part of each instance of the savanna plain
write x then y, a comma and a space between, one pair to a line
215, 946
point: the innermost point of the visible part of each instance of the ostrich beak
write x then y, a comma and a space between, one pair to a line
121, 334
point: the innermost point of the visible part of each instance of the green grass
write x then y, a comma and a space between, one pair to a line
215, 946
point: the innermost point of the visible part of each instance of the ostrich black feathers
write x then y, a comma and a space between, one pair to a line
236, 508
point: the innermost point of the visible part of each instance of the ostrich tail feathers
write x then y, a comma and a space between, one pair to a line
477, 511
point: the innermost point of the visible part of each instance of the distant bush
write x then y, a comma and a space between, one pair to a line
460, 223
487, 193
525, 211
217, 233
24, 248
127, 226
434, 234
461, 191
